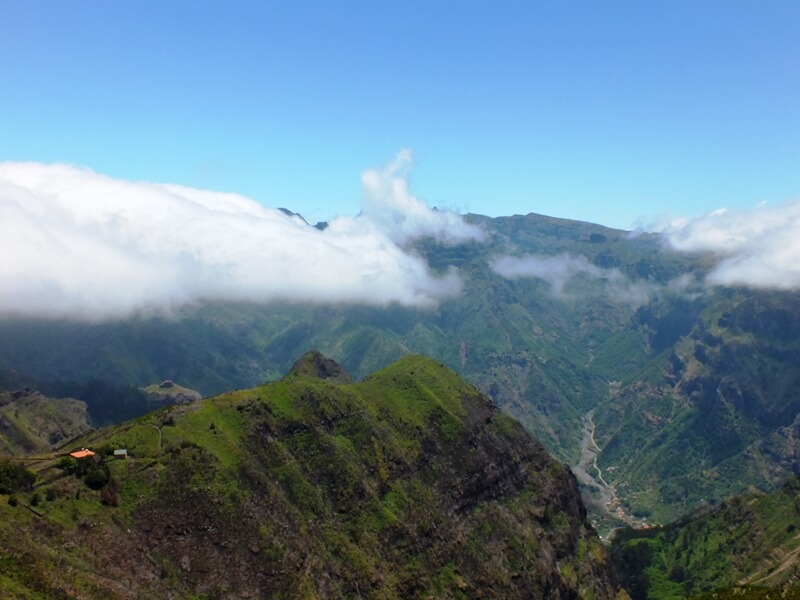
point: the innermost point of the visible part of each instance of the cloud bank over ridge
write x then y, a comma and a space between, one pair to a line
78, 244
758, 248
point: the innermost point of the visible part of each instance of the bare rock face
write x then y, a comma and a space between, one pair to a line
315, 364
168, 392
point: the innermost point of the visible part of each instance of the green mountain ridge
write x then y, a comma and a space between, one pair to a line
408, 484
694, 388
742, 548
514, 338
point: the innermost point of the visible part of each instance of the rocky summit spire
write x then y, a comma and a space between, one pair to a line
315, 364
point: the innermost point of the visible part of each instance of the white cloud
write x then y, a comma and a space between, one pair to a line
78, 244
662, 224
555, 270
559, 270
388, 202
759, 247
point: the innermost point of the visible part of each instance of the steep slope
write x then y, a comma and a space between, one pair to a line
717, 413
409, 484
750, 540
31, 422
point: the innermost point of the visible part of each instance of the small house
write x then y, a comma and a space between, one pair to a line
121, 453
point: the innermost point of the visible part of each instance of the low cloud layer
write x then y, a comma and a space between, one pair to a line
78, 244
559, 270
758, 248
555, 270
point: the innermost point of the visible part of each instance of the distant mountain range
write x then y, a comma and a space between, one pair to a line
694, 387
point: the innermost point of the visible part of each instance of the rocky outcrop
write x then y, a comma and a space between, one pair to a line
168, 392
314, 364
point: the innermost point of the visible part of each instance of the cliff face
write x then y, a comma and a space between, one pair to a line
408, 484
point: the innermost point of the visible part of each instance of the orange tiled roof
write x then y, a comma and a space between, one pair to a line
81, 453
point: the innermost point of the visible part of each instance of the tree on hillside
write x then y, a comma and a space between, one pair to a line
15, 478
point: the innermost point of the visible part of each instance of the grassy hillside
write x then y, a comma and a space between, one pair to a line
31, 422
751, 541
409, 484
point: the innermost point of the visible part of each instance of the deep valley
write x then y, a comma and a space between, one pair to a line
667, 395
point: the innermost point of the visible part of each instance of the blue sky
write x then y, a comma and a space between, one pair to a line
607, 112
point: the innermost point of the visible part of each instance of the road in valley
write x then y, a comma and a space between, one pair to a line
604, 495
587, 470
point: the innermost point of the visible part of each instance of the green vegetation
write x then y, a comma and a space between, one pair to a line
31, 422
750, 539
410, 484
752, 593
14, 477
107, 402
694, 388
717, 417
514, 338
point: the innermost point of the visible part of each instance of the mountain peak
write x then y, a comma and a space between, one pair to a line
318, 366
398, 486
